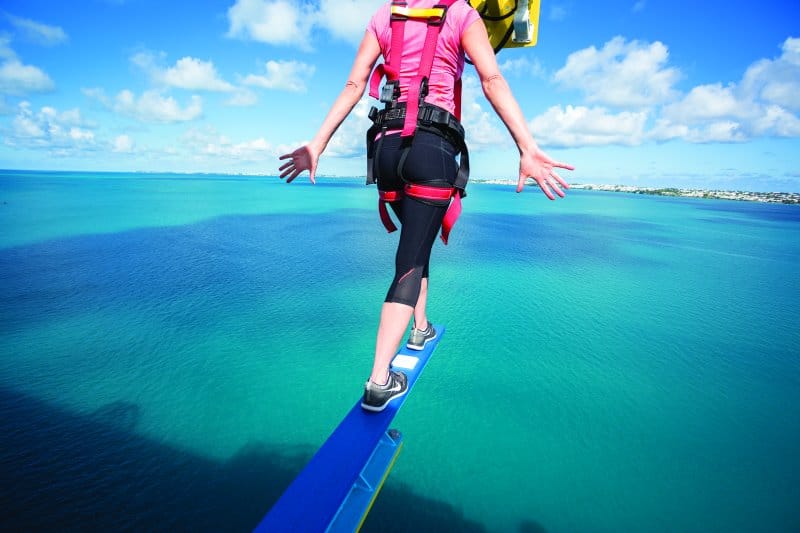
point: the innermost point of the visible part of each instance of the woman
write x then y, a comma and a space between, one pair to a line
424, 158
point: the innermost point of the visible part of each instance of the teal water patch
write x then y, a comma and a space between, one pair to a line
612, 362
37, 206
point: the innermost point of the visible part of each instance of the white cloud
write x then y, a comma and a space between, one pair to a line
724, 131
191, 73
272, 21
287, 75
253, 150
523, 67
282, 22
207, 142
242, 98
635, 77
79, 134
38, 32
346, 19
621, 74
50, 129
558, 12
776, 81
18, 79
482, 127
706, 102
777, 121
96, 93
349, 140
760, 105
25, 123
188, 73
585, 126
147, 61
123, 144
5, 49
152, 106
70, 117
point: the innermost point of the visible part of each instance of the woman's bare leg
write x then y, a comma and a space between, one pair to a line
420, 318
394, 321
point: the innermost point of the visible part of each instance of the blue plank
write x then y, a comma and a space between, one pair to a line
314, 497
359, 500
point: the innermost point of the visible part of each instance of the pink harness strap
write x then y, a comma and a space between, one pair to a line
391, 67
423, 192
423, 73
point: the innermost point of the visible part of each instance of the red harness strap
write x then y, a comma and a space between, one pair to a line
385, 197
422, 192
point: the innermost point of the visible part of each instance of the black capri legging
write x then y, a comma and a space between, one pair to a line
431, 160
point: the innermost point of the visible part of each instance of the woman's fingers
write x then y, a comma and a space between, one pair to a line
560, 180
557, 189
546, 189
294, 175
566, 166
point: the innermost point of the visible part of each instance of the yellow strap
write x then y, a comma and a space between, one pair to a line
418, 12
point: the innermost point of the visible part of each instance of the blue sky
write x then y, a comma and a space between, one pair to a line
651, 93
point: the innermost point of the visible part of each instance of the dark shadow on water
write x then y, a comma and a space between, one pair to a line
529, 526
399, 510
60, 471
123, 416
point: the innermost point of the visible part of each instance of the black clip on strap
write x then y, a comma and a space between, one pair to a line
390, 92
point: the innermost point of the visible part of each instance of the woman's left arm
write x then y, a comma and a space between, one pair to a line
306, 157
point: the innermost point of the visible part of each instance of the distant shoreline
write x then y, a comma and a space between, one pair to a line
712, 194
748, 196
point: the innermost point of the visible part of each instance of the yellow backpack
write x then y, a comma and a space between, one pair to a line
510, 23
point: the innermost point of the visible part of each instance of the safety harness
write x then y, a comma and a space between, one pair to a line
415, 114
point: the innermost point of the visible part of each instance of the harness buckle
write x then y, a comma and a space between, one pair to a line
438, 21
423, 91
390, 92
425, 115
395, 14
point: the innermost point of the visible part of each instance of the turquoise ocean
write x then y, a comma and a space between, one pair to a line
174, 348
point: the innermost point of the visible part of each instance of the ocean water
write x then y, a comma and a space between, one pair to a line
173, 349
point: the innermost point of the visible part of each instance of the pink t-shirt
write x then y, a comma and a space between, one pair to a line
448, 62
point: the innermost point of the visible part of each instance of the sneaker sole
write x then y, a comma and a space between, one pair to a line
417, 347
379, 408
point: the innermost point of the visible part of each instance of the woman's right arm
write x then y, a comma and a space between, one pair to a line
533, 162
306, 157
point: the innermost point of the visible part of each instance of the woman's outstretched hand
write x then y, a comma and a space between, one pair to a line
304, 158
538, 165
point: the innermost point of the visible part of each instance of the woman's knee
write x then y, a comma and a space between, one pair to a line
406, 286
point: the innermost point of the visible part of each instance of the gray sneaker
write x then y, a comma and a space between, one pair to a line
376, 398
419, 337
